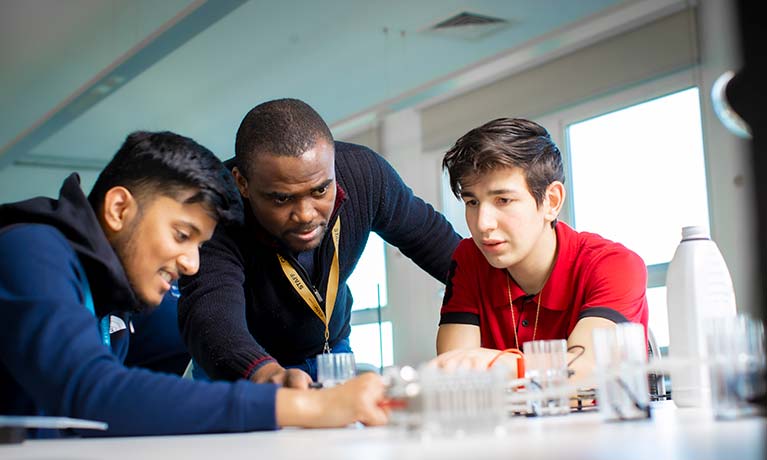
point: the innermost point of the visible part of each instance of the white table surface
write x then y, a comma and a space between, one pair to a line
672, 433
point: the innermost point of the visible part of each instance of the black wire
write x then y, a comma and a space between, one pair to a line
635, 401
583, 350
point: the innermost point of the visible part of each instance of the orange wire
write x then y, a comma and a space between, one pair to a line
520, 360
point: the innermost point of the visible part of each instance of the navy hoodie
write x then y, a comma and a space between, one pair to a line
52, 359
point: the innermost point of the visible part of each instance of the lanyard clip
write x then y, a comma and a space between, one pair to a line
326, 348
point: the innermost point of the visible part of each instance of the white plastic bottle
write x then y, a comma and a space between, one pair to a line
698, 287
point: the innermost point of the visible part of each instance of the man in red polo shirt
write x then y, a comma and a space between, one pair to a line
522, 275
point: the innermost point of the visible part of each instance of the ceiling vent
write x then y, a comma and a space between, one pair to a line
467, 25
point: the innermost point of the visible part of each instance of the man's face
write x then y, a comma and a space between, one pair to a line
293, 197
505, 221
160, 243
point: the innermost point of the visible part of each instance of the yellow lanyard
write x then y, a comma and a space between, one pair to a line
305, 292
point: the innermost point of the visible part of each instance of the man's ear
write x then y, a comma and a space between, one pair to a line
554, 200
120, 207
242, 183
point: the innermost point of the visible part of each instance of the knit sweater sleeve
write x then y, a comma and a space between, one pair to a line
212, 310
405, 220
50, 346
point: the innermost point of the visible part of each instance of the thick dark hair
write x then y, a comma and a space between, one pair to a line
503, 143
165, 163
283, 127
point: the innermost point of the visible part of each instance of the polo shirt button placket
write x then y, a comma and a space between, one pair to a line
525, 322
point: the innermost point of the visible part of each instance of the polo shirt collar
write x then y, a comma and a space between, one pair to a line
557, 292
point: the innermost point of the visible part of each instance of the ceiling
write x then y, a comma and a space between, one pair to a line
79, 75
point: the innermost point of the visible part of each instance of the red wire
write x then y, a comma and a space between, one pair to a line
520, 360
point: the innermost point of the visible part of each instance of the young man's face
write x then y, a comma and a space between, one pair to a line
293, 197
161, 243
505, 221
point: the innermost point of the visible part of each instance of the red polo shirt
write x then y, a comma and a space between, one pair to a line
592, 276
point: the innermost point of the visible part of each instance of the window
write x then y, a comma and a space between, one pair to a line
658, 323
368, 281
637, 176
371, 337
372, 344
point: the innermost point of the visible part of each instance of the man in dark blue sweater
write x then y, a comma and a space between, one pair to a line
73, 269
272, 293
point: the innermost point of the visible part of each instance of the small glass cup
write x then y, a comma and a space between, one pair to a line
620, 354
736, 358
546, 367
335, 368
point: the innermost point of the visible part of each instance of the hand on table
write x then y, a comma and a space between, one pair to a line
356, 400
288, 378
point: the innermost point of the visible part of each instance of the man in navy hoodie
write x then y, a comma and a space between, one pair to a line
72, 271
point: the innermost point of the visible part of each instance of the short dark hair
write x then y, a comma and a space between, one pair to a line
283, 127
503, 143
165, 163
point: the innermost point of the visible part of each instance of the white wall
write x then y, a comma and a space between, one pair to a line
414, 296
47, 183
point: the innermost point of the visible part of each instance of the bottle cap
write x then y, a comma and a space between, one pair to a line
695, 232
